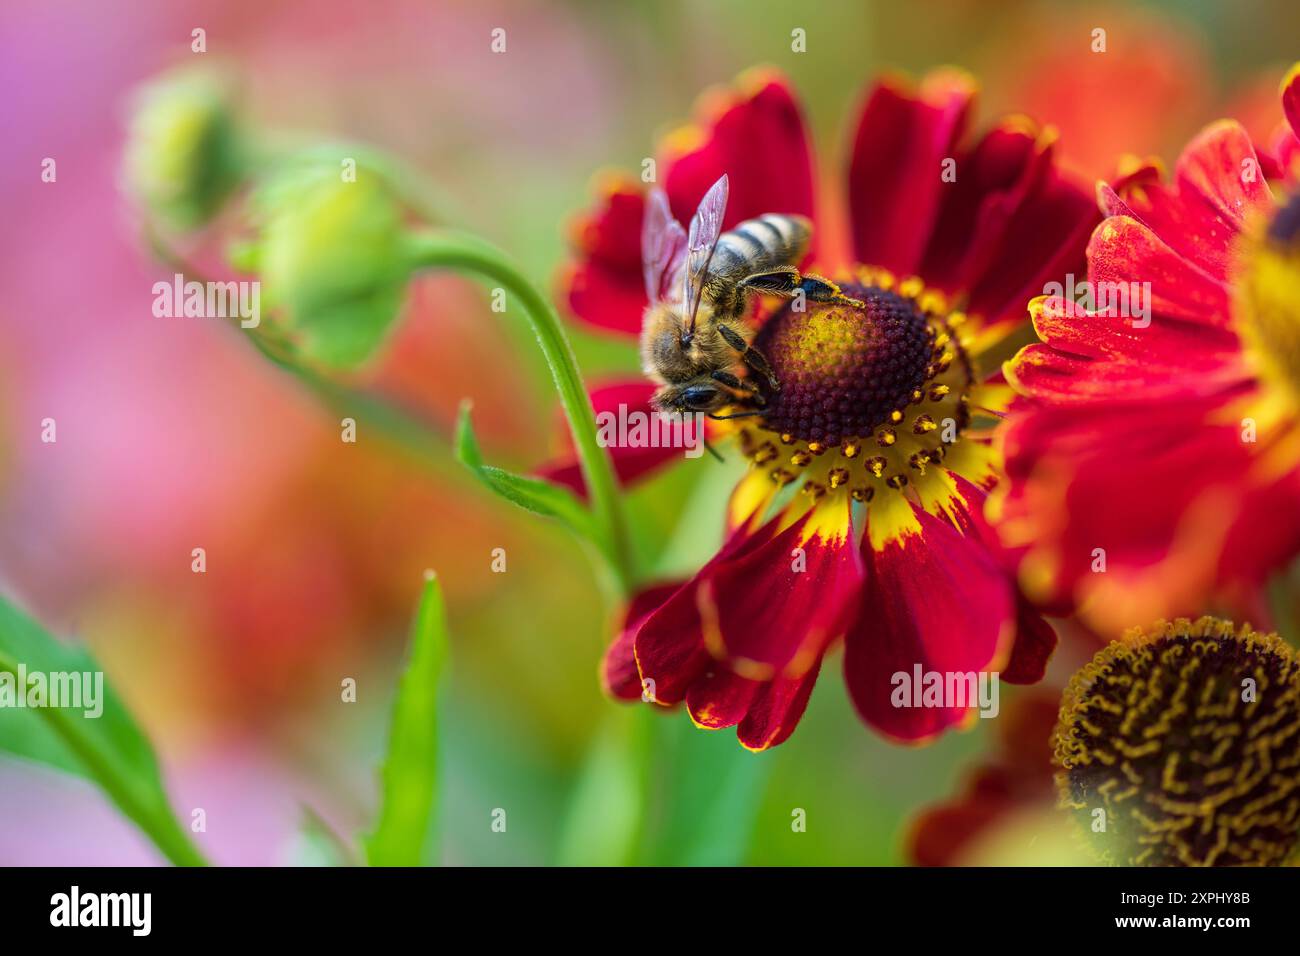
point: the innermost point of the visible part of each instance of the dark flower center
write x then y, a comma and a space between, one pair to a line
1284, 229
869, 396
843, 369
1182, 747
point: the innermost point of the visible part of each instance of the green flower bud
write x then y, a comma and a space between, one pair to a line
332, 256
184, 155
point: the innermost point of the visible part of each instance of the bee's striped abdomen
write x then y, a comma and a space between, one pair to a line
757, 245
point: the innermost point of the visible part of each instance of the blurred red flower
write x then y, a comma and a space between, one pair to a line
1163, 448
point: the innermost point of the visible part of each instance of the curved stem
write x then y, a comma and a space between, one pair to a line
158, 823
446, 250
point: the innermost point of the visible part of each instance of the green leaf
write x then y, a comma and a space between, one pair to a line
109, 748
606, 809
708, 789
534, 494
410, 772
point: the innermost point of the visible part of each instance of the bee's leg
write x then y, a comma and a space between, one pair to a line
789, 282
783, 281
750, 355
711, 450
736, 415
818, 289
752, 394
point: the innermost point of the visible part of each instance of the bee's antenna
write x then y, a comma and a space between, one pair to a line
711, 450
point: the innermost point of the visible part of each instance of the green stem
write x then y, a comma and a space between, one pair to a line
157, 823
446, 250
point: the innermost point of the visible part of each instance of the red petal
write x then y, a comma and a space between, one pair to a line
1044, 240
1072, 490
776, 710
767, 711
939, 834
1190, 227
1035, 641
938, 599
618, 671
1291, 98
1215, 166
1284, 156
1124, 250
604, 286
1019, 775
791, 615
995, 178
754, 133
720, 698
1088, 357
669, 645
751, 608
776, 608
895, 185
630, 464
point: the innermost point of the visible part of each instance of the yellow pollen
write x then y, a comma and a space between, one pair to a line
900, 457
933, 303
911, 287
813, 490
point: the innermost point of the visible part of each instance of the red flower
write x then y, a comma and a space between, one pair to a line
881, 421
1016, 778
1155, 459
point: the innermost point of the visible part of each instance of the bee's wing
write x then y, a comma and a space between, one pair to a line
663, 246
706, 227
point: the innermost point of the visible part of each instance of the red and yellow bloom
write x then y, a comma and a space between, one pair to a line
1154, 463
882, 422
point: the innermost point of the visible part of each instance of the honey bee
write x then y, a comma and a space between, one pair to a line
695, 330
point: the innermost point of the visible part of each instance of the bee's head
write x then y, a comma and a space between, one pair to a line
666, 345
700, 395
